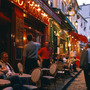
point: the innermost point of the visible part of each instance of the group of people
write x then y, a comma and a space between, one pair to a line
9, 74
32, 51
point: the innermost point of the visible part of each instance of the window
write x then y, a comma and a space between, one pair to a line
62, 7
89, 10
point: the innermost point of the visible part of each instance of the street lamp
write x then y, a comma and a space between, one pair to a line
76, 23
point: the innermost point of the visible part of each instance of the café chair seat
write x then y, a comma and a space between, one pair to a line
30, 87
49, 77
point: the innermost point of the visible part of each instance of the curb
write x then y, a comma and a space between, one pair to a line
68, 83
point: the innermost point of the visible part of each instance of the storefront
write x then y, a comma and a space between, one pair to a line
20, 18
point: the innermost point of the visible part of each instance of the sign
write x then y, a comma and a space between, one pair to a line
33, 9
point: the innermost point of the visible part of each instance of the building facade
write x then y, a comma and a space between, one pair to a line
85, 12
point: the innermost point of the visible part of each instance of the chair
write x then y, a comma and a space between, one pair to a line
35, 77
62, 70
20, 68
52, 74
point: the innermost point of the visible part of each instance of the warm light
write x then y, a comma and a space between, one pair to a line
49, 2
72, 37
64, 0
38, 9
36, 5
72, 12
28, 1
69, 44
33, 2
29, 27
20, 3
76, 23
24, 14
24, 38
65, 21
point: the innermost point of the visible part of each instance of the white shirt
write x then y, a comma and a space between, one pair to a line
31, 49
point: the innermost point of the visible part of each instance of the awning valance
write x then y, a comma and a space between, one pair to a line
48, 10
80, 37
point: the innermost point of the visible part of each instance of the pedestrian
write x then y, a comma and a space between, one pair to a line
45, 54
73, 58
30, 54
9, 73
85, 64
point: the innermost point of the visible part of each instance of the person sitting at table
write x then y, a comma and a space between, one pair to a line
9, 73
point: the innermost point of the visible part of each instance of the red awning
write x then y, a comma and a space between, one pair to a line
80, 37
3, 17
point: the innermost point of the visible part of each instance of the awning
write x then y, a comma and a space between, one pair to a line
4, 18
71, 24
79, 37
48, 10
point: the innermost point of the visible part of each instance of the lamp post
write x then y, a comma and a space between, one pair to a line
76, 23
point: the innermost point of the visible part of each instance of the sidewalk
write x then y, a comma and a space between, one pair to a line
62, 83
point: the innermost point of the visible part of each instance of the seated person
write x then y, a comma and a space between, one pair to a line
61, 58
9, 73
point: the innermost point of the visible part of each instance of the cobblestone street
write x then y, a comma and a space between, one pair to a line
78, 83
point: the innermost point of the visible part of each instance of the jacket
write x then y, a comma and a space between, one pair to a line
84, 59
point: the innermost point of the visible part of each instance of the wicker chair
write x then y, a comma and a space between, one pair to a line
35, 77
52, 74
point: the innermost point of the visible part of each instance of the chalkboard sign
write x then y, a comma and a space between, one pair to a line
18, 54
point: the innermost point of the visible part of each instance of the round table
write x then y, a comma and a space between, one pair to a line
4, 82
24, 75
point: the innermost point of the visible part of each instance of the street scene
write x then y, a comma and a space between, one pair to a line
44, 44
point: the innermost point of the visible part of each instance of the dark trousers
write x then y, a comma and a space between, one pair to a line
30, 64
87, 77
16, 82
46, 63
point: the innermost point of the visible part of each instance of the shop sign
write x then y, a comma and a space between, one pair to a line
33, 9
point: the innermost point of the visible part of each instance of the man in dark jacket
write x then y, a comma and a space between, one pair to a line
85, 64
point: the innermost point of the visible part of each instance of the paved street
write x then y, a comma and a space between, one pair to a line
78, 83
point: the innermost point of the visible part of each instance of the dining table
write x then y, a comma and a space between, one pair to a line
4, 82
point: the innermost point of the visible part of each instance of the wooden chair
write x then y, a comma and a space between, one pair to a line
52, 74
20, 68
35, 77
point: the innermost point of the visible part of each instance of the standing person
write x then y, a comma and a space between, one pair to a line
85, 64
9, 73
73, 57
30, 54
45, 55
